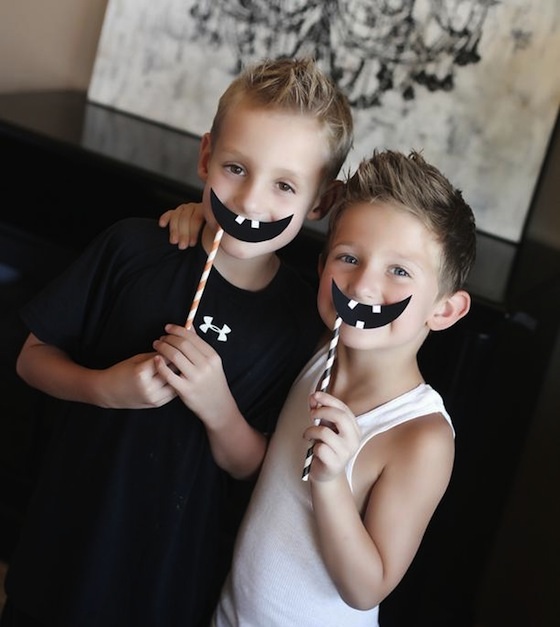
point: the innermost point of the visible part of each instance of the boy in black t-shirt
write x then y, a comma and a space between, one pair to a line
130, 523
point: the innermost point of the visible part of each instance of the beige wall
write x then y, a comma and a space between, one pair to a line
48, 44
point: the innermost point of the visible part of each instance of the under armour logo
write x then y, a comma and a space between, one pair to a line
222, 333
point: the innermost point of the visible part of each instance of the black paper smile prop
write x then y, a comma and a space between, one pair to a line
244, 229
365, 316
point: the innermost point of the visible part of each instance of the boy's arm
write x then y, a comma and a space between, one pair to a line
367, 547
194, 369
185, 223
130, 384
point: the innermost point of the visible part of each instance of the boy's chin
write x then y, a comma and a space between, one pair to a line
352, 337
245, 251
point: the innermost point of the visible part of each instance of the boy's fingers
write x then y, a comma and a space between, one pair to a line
164, 218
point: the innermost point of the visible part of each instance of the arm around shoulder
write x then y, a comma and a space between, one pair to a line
184, 222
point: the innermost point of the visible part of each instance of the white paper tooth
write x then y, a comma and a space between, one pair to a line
255, 224
240, 219
360, 324
376, 308
352, 304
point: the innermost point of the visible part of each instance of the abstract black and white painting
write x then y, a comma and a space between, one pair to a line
474, 84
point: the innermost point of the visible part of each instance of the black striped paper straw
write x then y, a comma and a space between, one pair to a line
324, 387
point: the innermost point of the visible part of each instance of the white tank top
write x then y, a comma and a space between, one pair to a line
278, 578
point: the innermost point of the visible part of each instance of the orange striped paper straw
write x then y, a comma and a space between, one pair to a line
204, 277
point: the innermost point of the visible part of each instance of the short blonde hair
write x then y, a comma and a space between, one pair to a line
295, 85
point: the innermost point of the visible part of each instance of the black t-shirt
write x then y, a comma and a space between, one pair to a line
132, 521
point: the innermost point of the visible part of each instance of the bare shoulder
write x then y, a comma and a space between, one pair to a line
418, 439
424, 436
424, 447
412, 455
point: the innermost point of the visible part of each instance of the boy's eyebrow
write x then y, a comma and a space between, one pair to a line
293, 175
232, 152
346, 244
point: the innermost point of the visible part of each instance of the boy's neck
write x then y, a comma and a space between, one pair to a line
251, 274
364, 382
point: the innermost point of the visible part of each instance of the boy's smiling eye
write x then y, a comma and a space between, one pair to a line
235, 169
347, 258
284, 187
398, 271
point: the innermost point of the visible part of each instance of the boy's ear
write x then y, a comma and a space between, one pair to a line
204, 153
450, 310
326, 200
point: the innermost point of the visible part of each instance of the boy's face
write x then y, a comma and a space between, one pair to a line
264, 166
381, 255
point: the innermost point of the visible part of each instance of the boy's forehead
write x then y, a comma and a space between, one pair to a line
273, 134
248, 108
359, 220
362, 210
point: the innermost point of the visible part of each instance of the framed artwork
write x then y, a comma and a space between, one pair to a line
473, 84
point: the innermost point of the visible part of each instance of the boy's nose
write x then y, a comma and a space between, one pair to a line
364, 287
249, 201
